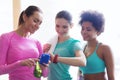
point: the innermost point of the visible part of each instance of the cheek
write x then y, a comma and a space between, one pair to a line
82, 33
56, 29
29, 23
32, 23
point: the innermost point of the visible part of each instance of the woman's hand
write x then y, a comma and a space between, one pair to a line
51, 57
46, 47
29, 62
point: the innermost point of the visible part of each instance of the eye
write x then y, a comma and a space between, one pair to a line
82, 28
40, 22
65, 27
35, 20
88, 29
57, 26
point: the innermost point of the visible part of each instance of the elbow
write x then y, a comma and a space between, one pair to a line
45, 72
83, 61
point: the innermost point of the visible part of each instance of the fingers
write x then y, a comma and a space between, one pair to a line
51, 56
35, 59
46, 47
29, 62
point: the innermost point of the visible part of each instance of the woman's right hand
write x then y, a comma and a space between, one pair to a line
46, 47
29, 62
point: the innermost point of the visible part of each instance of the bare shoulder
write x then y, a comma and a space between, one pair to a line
106, 49
105, 46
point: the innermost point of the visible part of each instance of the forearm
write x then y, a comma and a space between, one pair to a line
111, 78
4, 69
74, 61
45, 72
110, 75
110, 71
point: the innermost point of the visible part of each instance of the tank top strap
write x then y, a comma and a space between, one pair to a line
97, 46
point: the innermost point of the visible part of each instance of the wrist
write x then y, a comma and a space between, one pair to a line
55, 60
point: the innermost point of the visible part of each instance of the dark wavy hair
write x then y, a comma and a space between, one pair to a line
96, 18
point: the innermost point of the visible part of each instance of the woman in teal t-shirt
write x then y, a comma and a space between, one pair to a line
67, 50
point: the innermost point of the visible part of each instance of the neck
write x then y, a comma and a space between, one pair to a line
63, 38
22, 32
92, 43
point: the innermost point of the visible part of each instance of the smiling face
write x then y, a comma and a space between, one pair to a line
62, 26
88, 31
33, 22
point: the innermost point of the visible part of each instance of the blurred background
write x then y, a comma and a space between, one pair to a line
10, 10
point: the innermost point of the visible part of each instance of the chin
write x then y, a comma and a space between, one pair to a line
32, 32
85, 39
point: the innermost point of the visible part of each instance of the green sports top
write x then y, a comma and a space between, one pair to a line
94, 64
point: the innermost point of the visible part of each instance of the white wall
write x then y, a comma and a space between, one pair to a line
6, 22
6, 17
110, 9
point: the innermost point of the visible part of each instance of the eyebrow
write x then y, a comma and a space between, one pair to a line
40, 21
36, 18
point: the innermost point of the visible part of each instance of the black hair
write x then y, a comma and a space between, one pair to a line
96, 18
64, 14
29, 11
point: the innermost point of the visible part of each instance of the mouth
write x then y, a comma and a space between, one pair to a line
34, 28
85, 37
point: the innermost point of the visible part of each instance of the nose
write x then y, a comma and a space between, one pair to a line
60, 29
83, 31
37, 26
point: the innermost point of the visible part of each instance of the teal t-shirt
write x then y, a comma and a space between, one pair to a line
60, 71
